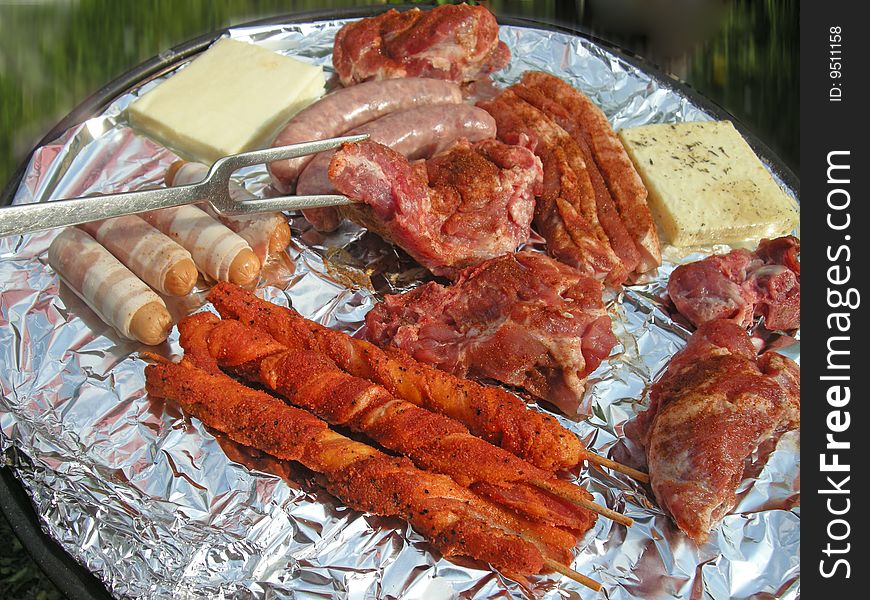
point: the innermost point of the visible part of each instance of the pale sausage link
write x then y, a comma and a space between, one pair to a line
109, 288
347, 108
267, 233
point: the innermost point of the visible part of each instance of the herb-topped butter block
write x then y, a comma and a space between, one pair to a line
706, 185
233, 98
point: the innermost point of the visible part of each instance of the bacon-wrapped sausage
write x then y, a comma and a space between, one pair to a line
489, 412
456, 521
109, 288
218, 252
308, 379
267, 233
152, 256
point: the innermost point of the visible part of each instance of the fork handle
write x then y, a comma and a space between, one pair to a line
40, 216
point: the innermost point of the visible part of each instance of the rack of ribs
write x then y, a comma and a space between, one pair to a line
593, 210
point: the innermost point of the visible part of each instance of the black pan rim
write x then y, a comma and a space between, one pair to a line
70, 576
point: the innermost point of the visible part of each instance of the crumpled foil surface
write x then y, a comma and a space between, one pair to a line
158, 507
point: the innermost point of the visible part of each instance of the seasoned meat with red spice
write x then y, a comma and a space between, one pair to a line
454, 42
463, 206
715, 404
523, 319
489, 412
590, 127
308, 379
566, 214
741, 285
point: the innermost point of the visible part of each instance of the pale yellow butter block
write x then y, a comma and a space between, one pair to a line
706, 185
232, 98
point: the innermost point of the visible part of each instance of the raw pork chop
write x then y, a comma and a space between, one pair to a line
524, 319
465, 205
455, 42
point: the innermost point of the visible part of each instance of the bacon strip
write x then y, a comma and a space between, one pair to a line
151, 255
108, 287
456, 521
266, 233
308, 379
489, 412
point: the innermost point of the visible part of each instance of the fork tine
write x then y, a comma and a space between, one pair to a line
284, 203
226, 165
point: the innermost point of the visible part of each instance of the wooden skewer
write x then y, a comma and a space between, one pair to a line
585, 503
621, 468
606, 512
572, 574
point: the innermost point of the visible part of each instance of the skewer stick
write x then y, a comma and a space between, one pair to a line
605, 512
621, 468
586, 503
572, 574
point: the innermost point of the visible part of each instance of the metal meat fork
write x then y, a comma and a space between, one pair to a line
214, 189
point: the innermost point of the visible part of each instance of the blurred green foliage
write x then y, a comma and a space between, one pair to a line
752, 67
54, 54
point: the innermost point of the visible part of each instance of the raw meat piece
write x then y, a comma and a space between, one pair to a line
741, 285
716, 403
454, 42
523, 319
463, 206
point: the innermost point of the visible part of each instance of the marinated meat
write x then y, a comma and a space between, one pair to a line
489, 412
741, 285
454, 42
523, 319
566, 214
463, 206
715, 404
590, 127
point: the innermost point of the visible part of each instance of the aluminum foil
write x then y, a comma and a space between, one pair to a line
158, 507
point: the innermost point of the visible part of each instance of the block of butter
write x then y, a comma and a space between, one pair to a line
232, 98
706, 185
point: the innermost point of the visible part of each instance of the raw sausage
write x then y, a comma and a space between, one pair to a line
416, 133
152, 256
347, 108
109, 288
